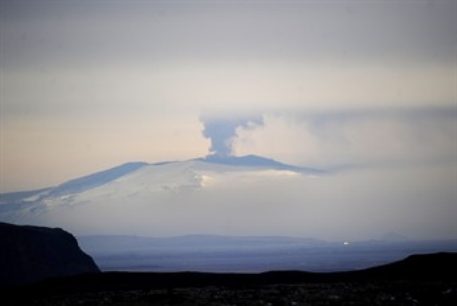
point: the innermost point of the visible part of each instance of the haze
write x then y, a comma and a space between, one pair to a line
363, 90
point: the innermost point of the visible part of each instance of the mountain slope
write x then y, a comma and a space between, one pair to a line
147, 199
95, 180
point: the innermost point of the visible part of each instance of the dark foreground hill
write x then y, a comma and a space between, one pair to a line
417, 280
31, 253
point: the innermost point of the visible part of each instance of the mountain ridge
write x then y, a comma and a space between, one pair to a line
102, 177
132, 187
252, 160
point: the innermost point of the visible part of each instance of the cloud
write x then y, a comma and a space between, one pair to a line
85, 32
354, 137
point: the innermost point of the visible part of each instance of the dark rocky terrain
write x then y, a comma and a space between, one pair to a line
43, 266
418, 280
30, 253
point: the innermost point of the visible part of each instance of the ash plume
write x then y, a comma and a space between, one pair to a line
221, 131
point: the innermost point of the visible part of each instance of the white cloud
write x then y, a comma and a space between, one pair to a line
354, 138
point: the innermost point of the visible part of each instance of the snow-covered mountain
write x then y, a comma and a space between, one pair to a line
142, 198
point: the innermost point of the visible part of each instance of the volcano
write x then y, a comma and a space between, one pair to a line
154, 195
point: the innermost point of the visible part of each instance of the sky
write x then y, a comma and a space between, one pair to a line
89, 85
365, 90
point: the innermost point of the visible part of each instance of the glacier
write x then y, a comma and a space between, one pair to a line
245, 196
142, 198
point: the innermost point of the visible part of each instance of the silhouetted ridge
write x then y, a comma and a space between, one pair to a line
31, 253
425, 266
391, 281
440, 266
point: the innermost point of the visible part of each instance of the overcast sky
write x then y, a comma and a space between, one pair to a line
88, 85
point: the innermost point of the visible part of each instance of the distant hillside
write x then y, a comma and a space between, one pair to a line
247, 254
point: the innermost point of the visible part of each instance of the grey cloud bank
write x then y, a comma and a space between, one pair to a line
173, 57
87, 32
369, 137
